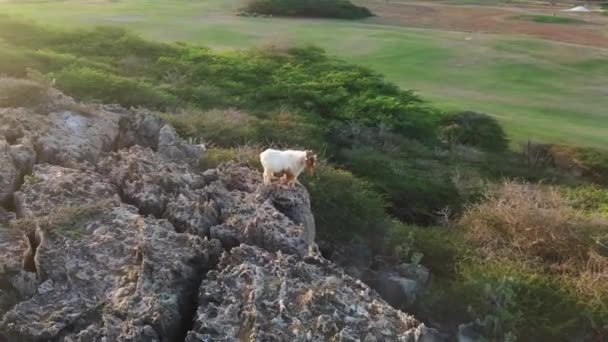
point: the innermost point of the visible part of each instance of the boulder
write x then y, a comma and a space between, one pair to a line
400, 292
173, 148
72, 137
141, 127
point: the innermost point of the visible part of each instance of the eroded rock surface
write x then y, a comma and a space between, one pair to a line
109, 232
103, 270
261, 296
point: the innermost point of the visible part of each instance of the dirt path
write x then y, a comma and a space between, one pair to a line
489, 19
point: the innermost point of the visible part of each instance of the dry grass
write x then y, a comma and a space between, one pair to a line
15, 92
535, 221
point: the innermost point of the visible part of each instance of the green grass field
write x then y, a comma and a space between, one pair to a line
539, 89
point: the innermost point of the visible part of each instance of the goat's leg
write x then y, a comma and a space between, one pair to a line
267, 177
291, 178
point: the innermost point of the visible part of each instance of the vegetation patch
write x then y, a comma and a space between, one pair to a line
535, 225
585, 162
474, 129
342, 9
520, 264
550, 19
246, 154
591, 199
21, 93
70, 221
345, 207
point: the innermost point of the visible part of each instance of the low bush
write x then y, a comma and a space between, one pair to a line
551, 19
342, 9
474, 129
13, 61
91, 84
517, 303
536, 226
585, 164
536, 222
591, 199
246, 154
417, 188
438, 248
232, 128
21, 93
345, 207
221, 128
507, 300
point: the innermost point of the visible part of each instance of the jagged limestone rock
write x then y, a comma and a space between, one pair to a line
117, 232
102, 269
256, 295
173, 148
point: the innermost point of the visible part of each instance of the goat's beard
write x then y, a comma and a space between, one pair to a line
309, 171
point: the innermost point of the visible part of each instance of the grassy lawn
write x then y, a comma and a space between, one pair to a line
539, 89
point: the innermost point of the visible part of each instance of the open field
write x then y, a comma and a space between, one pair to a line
489, 58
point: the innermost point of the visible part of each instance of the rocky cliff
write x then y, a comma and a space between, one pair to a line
110, 232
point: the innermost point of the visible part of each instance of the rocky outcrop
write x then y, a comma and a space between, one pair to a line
173, 148
113, 234
103, 270
256, 295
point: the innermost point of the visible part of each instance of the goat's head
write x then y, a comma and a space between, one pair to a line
311, 162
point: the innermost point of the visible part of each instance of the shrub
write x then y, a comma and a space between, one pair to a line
586, 162
440, 249
589, 198
343, 9
535, 222
289, 131
417, 188
535, 226
246, 154
474, 129
551, 19
508, 301
222, 128
21, 93
91, 84
13, 61
518, 303
345, 207
232, 127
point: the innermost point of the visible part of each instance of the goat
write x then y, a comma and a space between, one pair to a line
289, 163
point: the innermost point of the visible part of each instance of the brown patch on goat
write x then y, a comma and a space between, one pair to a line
311, 162
289, 176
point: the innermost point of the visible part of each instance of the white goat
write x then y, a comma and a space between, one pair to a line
289, 163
